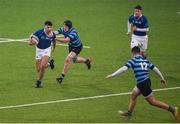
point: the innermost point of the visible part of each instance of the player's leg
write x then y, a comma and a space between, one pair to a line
78, 59
134, 41
154, 102
143, 46
132, 103
42, 67
66, 67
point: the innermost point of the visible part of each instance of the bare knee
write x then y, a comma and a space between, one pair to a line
68, 60
151, 101
42, 67
133, 96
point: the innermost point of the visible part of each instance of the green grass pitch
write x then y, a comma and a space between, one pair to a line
102, 25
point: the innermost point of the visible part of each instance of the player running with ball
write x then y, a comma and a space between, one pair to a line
75, 46
140, 65
43, 39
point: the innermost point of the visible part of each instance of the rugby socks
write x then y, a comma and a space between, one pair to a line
38, 84
62, 76
129, 113
171, 109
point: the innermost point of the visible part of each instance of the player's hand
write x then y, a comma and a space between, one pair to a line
108, 77
32, 42
129, 33
164, 82
134, 28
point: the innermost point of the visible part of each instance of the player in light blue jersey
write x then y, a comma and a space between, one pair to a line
71, 37
140, 65
43, 39
137, 29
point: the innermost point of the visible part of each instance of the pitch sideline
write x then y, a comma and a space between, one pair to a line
78, 99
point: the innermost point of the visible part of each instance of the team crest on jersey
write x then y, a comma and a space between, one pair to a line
43, 37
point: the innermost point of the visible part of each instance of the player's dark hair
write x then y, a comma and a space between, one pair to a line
138, 7
68, 23
135, 49
48, 23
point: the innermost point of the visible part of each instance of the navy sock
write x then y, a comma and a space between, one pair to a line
63, 75
171, 109
129, 113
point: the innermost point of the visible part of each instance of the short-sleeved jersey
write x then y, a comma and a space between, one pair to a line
141, 22
73, 35
140, 65
44, 41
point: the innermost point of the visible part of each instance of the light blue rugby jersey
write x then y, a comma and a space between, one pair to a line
141, 22
44, 40
73, 35
140, 65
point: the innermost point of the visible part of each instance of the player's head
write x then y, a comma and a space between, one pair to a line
135, 50
137, 11
67, 25
48, 26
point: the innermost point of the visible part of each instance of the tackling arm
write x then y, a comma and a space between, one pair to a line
63, 40
156, 70
119, 71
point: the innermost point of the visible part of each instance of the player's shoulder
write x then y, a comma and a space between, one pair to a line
61, 30
131, 16
72, 30
143, 17
39, 31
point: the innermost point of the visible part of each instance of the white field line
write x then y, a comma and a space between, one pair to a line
5, 40
78, 99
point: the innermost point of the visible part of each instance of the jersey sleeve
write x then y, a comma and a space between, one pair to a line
60, 30
36, 35
130, 19
150, 65
54, 36
145, 22
72, 35
129, 64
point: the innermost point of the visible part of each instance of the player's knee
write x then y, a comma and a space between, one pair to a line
68, 60
74, 60
133, 96
42, 67
152, 102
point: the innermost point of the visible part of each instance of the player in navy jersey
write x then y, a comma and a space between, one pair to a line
43, 39
137, 29
140, 65
75, 46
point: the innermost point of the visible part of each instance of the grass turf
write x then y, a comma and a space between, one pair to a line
102, 25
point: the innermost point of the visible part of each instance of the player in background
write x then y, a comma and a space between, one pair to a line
43, 39
75, 46
140, 65
137, 29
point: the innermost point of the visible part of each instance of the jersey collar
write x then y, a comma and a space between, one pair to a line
47, 34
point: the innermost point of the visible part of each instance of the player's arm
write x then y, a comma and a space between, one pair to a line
119, 71
145, 26
57, 32
129, 28
53, 45
140, 29
157, 71
63, 40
